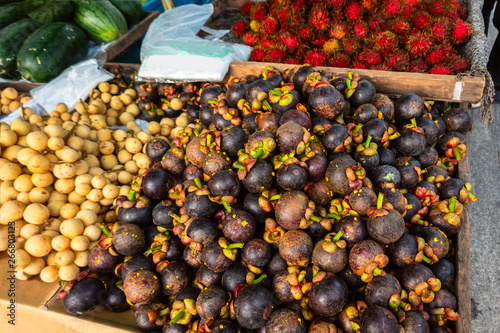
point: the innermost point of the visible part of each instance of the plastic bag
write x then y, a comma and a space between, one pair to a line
69, 87
171, 51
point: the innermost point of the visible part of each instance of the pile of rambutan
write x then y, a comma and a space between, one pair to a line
395, 35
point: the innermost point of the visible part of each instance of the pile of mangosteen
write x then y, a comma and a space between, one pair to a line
294, 202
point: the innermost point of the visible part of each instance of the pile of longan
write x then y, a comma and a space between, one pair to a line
11, 100
60, 174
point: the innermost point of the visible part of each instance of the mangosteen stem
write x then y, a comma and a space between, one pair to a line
314, 218
267, 105
457, 154
357, 129
414, 122
380, 200
472, 197
377, 271
197, 182
226, 205
337, 236
434, 144
258, 153
238, 165
426, 259
368, 140
151, 250
332, 216
132, 195
163, 312
275, 197
178, 316
259, 279
452, 204
235, 245
174, 216
105, 230
349, 85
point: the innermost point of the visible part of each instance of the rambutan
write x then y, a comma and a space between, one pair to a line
258, 54
282, 15
400, 25
369, 57
421, 20
269, 25
441, 70
350, 45
338, 30
398, 60
267, 44
319, 41
461, 32
368, 4
360, 30
288, 40
385, 43
292, 61
438, 31
407, 11
436, 7
258, 11
254, 25
358, 65
276, 55
250, 38
418, 45
354, 11
305, 34
451, 16
332, 46
417, 66
376, 23
246, 7
319, 18
240, 28
437, 56
459, 64
391, 8
340, 60
316, 58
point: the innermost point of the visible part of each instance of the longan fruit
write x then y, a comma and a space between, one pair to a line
10, 171
11, 210
42, 179
38, 245
36, 213
39, 195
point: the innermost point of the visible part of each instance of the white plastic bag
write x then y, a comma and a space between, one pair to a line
171, 51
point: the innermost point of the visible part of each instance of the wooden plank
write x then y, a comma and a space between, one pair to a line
20, 86
462, 256
429, 86
133, 35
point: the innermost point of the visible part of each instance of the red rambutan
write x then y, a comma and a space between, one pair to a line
288, 40
418, 45
452, 16
438, 31
338, 30
452, 5
340, 60
319, 41
407, 11
459, 64
436, 7
332, 46
267, 44
250, 38
368, 4
437, 56
258, 11
292, 61
358, 65
391, 8
376, 23
369, 56
240, 28
305, 34
350, 45
269, 25
316, 58
276, 55
441, 70
282, 15
417, 66
245, 8
258, 54
360, 30
354, 11
385, 42
319, 18
421, 20
461, 32
398, 60
400, 26
463, 13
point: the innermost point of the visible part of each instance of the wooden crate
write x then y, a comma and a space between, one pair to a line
132, 36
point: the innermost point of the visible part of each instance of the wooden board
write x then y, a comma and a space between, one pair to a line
462, 256
429, 86
133, 35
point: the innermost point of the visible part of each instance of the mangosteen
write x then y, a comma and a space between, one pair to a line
337, 138
316, 167
206, 278
420, 280
224, 183
298, 116
114, 298
260, 177
428, 157
162, 214
102, 261
156, 148
206, 114
128, 239
193, 112
385, 226
383, 291
223, 326
386, 156
199, 205
141, 216
364, 255
352, 229
234, 276
407, 107
286, 321
233, 139
362, 200
253, 306
330, 254
174, 277
141, 286
385, 106
457, 120
378, 319
83, 295
364, 113
284, 99
256, 87
174, 161
203, 231
385, 176
295, 247
249, 124
412, 142
326, 102
300, 76
156, 183
254, 205
235, 93
291, 177
444, 270
143, 317
289, 136
291, 208
219, 254
430, 129
415, 322
377, 129
210, 93
328, 296
345, 175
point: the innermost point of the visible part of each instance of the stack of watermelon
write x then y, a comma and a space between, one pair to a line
41, 38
